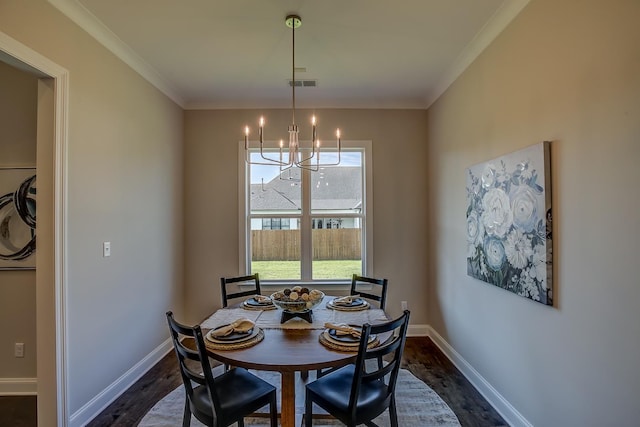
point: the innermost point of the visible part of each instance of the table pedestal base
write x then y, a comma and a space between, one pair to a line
305, 315
288, 401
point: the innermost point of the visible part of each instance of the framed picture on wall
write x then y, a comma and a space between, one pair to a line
509, 223
17, 218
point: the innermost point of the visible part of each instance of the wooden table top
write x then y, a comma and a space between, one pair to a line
287, 350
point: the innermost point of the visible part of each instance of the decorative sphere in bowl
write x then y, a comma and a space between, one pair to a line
297, 299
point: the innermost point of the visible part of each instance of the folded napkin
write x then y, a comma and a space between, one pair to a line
262, 299
343, 300
344, 329
240, 325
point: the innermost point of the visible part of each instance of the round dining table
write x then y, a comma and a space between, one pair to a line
287, 351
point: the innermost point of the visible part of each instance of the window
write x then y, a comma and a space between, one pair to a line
308, 225
275, 223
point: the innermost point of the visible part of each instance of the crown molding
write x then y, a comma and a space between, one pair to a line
494, 26
73, 10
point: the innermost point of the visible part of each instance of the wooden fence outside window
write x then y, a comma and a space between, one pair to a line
328, 244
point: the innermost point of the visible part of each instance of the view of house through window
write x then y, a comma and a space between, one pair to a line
307, 225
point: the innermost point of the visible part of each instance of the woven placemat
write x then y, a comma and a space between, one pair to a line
236, 346
349, 349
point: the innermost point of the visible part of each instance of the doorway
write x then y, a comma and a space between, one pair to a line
18, 118
51, 141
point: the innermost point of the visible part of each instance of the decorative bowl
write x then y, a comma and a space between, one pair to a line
299, 304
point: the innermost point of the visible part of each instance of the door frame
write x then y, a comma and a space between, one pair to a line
51, 260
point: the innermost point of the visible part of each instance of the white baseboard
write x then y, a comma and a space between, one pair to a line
495, 399
28, 386
96, 405
18, 386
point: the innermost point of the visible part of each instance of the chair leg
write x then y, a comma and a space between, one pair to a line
308, 416
241, 422
273, 408
393, 414
186, 418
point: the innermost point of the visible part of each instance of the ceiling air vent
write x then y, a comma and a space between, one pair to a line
303, 83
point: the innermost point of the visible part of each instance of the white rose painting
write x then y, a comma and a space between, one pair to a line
509, 223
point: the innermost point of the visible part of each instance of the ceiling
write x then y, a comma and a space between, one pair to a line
237, 53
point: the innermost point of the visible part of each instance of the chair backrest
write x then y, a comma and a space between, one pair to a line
365, 372
357, 280
198, 372
245, 280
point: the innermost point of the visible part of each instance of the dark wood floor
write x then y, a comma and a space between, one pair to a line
421, 357
18, 411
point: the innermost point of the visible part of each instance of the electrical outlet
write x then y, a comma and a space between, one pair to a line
404, 306
19, 349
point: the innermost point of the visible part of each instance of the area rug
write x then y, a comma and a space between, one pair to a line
418, 406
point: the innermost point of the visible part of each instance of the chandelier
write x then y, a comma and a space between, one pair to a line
298, 156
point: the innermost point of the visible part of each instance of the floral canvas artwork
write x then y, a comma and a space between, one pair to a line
509, 223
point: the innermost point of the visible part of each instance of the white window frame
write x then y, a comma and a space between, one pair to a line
244, 224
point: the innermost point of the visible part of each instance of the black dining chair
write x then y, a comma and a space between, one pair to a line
253, 279
358, 393
219, 401
379, 296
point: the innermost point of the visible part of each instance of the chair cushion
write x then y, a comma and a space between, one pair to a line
333, 390
235, 388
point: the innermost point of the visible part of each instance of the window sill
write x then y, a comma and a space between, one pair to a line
327, 287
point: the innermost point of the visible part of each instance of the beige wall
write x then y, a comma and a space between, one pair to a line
399, 203
125, 186
17, 288
18, 101
566, 71
553, 74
